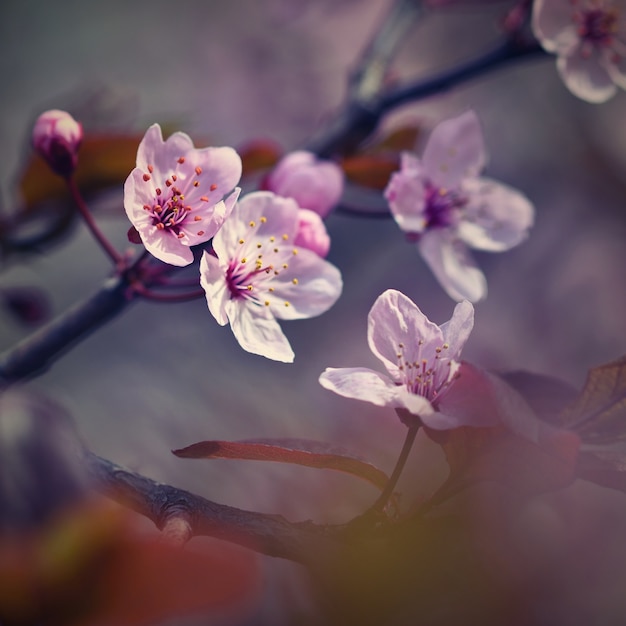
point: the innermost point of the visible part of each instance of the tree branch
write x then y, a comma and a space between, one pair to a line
267, 534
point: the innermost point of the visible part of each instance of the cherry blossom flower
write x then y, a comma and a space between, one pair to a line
445, 207
313, 183
57, 137
174, 197
589, 39
259, 275
420, 357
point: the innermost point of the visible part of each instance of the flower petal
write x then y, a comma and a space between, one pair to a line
455, 150
395, 319
458, 328
553, 25
162, 155
211, 220
166, 247
586, 75
496, 218
257, 331
361, 383
312, 233
214, 285
310, 286
454, 268
405, 194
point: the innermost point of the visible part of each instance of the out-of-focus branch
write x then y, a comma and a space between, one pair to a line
172, 508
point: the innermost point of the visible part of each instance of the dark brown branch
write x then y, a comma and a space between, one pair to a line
273, 535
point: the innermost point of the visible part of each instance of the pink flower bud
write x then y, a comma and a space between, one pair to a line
314, 184
57, 136
312, 233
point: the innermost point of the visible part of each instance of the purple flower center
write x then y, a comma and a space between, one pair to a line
597, 26
441, 207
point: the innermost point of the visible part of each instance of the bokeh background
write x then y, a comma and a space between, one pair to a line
163, 376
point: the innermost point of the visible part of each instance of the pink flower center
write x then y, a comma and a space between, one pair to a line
597, 26
425, 375
169, 211
442, 206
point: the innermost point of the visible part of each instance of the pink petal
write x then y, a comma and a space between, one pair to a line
211, 220
361, 383
454, 268
586, 75
553, 25
414, 404
455, 150
395, 319
405, 194
165, 246
257, 331
496, 218
312, 233
214, 285
617, 67
159, 154
318, 286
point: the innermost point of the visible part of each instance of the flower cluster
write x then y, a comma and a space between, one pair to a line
445, 207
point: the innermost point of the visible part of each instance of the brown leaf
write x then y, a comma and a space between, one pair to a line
297, 451
598, 415
372, 171
397, 140
260, 154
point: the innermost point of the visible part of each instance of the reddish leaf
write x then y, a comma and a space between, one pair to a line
372, 171
259, 155
297, 451
496, 454
397, 140
599, 412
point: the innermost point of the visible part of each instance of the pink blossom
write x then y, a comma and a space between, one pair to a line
174, 197
312, 233
314, 184
445, 207
57, 137
420, 357
589, 39
259, 275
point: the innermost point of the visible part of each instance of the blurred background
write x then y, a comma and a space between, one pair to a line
164, 376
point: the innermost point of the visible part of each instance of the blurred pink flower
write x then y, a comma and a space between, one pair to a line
258, 275
312, 233
589, 39
57, 137
420, 356
174, 197
314, 184
443, 205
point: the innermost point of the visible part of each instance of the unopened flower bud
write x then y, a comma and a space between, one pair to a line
56, 137
314, 184
312, 233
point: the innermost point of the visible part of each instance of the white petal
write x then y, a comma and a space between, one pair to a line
405, 194
553, 25
414, 404
497, 217
164, 245
213, 281
395, 319
457, 330
361, 383
455, 150
257, 331
454, 268
586, 75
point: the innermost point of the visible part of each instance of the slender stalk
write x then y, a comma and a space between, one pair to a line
105, 244
167, 297
380, 504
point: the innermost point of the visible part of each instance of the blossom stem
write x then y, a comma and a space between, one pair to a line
380, 504
105, 244
148, 294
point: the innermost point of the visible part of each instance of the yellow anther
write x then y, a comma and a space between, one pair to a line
249, 287
263, 220
244, 260
295, 251
285, 266
259, 245
295, 281
285, 236
286, 303
271, 289
252, 224
446, 346
272, 239
267, 303
241, 241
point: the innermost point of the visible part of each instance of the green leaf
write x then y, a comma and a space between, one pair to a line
298, 451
